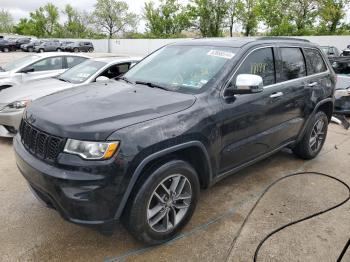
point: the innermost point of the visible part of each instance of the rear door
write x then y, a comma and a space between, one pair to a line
318, 83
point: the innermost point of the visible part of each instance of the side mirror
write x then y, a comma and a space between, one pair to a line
248, 84
102, 78
27, 70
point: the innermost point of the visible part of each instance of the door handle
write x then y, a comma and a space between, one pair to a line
312, 84
277, 94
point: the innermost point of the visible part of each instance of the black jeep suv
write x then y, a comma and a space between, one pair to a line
139, 148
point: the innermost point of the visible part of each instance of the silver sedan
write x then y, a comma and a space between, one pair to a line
38, 66
14, 100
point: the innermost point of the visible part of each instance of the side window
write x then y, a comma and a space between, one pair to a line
116, 70
314, 62
74, 60
293, 65
51, 63
261, 63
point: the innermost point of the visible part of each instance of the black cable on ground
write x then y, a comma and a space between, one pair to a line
291, 223
343, 251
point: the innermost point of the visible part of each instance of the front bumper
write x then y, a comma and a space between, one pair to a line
10, 122
86, 193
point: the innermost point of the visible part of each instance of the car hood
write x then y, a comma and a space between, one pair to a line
93, 112
32, 90
5, 75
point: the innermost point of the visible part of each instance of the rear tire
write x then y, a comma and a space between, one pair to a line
59, 50
162, 203
30, 49
6, 49
91, 50
314, 137
41, 50
75, 50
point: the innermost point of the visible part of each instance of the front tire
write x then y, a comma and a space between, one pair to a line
41, 50
163, 203
6, 50
75, 50
314, 137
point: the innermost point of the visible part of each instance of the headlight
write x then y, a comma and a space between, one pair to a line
16, 106
91, 150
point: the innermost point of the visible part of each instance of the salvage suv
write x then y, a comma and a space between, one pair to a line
139, 149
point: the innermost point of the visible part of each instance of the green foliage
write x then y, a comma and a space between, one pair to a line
331, 12
6, 22
113, 17
168, 20
247, 15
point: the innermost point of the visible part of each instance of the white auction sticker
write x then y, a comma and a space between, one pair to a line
222, 54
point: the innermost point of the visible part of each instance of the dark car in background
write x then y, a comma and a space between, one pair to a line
21, 41
31, 45
82, 46
140, 148
7, 46
48, 46
340, 61
65, 43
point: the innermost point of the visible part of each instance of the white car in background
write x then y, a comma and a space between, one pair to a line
38, 66
14, 100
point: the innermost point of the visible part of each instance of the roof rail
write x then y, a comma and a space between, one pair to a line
282, 38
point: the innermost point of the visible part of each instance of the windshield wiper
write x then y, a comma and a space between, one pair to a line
125, 79
150, 84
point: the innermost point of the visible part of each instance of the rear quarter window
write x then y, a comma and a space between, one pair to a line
293, 65
314, 62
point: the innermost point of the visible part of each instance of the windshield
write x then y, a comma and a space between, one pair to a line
81, 72
18, 63
182, 68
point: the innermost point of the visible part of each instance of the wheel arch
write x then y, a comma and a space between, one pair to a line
325, 105
193, 152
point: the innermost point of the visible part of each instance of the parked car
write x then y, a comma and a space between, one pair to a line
339, 61
330, 50
80, 47
14, 100
21, 41
65, 43
31, 45
37, 66
342, 95
48, 46
7, 46
139, 149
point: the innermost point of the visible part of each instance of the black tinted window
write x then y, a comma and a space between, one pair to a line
314, 62
260, 63
293, 65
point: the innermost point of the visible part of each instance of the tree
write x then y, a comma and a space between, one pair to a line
231, 15
76, 24
331, 12
43, 22
168, 20
113, 17
247, 15
208, 16
275, 15
6, 22
303, 13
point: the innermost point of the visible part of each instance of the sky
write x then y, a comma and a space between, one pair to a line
21, 8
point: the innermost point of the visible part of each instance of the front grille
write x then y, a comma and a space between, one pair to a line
39, 143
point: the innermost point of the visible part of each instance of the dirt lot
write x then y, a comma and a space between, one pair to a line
31, 232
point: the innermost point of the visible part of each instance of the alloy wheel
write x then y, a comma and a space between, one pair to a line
317, 135
169, 203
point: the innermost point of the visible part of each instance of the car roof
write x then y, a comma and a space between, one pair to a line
51, 54
117, 59
242, 41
